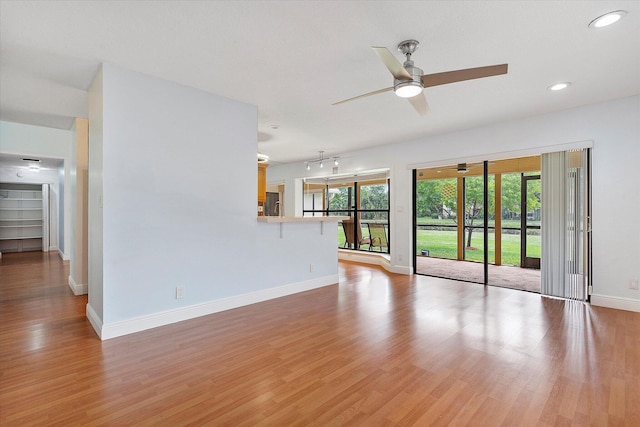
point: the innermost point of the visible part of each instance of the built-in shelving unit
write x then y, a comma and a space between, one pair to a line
21, 217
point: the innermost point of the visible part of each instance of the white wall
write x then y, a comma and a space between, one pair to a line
176, 168
78, 244
58, 210
95, 304
16, 138
287, 260
170, 214
614, 128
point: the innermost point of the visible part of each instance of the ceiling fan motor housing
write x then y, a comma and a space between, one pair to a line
410, 87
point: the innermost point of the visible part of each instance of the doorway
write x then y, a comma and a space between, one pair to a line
24, 217
480, 222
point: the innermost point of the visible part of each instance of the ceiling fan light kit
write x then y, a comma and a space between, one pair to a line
409, 80
407, 89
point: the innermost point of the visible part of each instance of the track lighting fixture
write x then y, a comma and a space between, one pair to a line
320, 161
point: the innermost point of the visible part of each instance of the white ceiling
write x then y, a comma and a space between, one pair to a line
27, 162
293, 59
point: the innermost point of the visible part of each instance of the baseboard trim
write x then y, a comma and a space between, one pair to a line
137, 324
78, 289
373, 259
95, 320
616, 302
64, 256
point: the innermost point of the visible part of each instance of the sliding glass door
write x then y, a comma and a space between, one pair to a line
521, 223
450, 215
494, 231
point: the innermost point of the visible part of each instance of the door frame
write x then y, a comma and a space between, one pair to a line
526, 261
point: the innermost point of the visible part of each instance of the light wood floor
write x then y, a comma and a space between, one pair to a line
377, 349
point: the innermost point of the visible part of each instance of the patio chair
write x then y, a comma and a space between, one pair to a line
347, 225
378, 236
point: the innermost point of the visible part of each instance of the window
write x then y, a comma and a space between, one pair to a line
364, 202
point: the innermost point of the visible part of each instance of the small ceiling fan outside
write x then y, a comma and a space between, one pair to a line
463, 167
409, 80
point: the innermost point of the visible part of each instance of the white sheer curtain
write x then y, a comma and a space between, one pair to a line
564, 263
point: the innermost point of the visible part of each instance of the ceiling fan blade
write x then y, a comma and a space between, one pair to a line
364, 96
419, 102
393, 65
447, 77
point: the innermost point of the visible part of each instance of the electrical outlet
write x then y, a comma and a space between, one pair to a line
179, 292
312, 268
633, 284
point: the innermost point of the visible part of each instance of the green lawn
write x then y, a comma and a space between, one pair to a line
506, 223
442, 244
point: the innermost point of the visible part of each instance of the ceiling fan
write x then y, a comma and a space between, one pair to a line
409, 80
463, 167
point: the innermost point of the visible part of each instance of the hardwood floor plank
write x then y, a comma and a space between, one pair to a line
377, 349
492, 412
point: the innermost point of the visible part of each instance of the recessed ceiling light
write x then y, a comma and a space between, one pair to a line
559, 86
607, 19
274, 127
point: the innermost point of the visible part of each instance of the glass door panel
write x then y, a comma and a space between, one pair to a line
340, 200
374, 215
511, 196
474, 236
436, 224
508, 272
530, 222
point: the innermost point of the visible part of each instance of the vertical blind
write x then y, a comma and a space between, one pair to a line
565, 224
